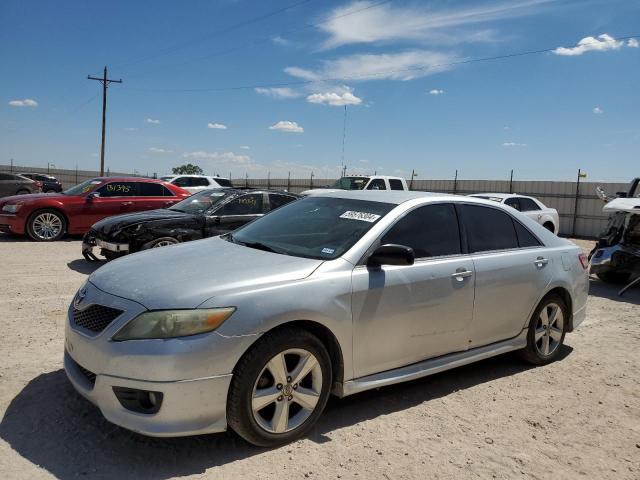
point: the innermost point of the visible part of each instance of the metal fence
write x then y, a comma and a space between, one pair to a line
579, 208
67, 177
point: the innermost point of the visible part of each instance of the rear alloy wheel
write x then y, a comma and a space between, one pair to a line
160, 242
46, 226
280, 388
546, 331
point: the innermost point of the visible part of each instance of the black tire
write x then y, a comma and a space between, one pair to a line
160, 242
614, 277
240, 416
23, 192
532, 352
549, 226
31, 230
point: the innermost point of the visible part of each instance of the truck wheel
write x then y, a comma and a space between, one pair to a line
46, 225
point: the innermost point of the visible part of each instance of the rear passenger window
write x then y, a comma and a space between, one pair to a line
431, 231
396, 184
488, 228
513, 203
525, 237
199, 182
148, 189
223, 182
377, 184
182, 181
528, 205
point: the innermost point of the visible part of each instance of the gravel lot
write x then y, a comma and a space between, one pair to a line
578, 417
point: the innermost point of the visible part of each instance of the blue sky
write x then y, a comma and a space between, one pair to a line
395, 64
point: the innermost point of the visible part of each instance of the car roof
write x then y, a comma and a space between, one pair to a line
390, 196
239, 190
129, 179
499, 195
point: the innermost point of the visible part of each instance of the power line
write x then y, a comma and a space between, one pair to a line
265, 39
363, 76
212, 34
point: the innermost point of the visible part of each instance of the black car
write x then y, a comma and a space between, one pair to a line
204, 214
49, 183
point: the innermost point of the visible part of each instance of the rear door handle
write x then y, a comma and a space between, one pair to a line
460, 275
540, 262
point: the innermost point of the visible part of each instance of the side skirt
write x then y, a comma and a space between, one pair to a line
433, 365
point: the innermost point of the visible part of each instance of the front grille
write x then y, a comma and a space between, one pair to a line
95, 318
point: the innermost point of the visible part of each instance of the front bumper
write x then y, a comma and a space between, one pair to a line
91, 241
189, 407
10, 223
192, 373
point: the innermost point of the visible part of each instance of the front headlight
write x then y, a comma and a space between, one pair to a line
173, 323
12, 208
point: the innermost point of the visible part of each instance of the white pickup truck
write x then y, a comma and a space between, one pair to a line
364, 182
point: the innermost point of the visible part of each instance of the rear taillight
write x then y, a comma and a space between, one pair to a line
38, 183
583, 261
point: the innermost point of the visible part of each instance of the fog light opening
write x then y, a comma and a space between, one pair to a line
139, 401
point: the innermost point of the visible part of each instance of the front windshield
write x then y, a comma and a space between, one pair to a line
315, 227
84, 187
351, 183
200, 202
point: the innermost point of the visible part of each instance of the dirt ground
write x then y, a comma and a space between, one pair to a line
576, 418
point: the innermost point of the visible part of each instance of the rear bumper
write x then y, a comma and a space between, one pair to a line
188, 407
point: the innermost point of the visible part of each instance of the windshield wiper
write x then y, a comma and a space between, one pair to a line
258, 246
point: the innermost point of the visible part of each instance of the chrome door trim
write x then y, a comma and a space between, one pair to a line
433, 365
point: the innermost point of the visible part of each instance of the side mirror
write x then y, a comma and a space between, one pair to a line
391, 254
91, 196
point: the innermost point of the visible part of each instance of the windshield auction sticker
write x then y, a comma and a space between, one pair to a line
362, 216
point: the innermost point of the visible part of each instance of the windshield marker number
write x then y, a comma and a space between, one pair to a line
362, 216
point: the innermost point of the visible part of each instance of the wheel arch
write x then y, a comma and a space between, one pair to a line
328, 339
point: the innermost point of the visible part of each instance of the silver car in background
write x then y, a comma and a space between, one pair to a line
336, 293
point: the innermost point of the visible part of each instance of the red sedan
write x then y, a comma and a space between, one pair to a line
46, 217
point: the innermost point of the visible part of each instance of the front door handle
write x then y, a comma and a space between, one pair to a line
126, 204
461, 274
540, 262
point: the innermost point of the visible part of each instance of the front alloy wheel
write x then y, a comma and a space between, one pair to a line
46, 226
279, 387
287, 391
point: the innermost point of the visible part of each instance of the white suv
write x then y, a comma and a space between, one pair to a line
197, 183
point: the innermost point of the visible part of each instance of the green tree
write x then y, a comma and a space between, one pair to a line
187, 169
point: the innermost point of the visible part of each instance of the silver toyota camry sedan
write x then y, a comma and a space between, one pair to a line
334, 294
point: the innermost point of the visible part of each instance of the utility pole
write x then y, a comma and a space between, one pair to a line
105, 84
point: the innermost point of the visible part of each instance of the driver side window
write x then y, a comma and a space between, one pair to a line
117, 189
431, 231
377, 184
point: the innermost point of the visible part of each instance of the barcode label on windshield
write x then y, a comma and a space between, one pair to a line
362, 216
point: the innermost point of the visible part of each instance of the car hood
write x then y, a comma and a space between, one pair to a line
631, 205
111, 225
187, 274
30, 197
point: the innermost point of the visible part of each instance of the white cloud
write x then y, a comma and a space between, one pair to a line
363, 161
287, 126
278, 92
603, 43
130, 129
221, 157
159, 150
436, 91
389, 22
514, 144
245, 147
597, 110
153, 121
278, 40
386, 66
216, 126
633, 43
336, 98
27, 102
